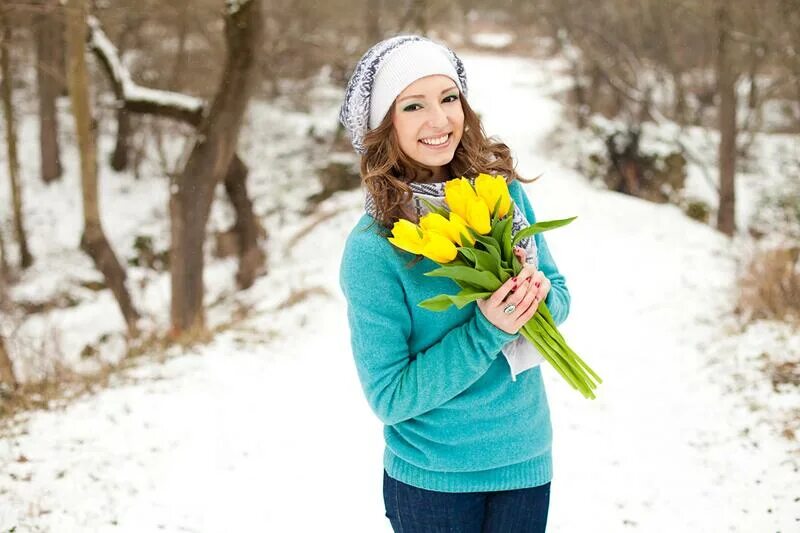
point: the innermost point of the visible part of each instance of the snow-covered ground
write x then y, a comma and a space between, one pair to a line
266, 428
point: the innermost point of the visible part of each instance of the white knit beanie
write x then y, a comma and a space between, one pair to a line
384, 71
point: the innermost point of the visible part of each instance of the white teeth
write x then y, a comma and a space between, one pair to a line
435, 140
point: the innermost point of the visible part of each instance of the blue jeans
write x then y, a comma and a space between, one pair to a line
414, 510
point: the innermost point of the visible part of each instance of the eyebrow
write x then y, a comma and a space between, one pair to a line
423, 96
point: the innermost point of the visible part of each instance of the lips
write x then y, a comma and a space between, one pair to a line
441, 141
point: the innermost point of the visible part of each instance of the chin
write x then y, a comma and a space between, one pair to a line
442, 160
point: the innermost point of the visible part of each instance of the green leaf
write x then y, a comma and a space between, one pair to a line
469, 253
490, 244
468, 295
516, 265
498, 229
443, 301
505, 238
437, 303
482, 279
483, 260
436, 209
540, 227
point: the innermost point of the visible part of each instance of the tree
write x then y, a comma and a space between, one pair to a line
372, 20
6, 368
26, 259
192, 191
49, 46
726, 88
93, 240
133, 98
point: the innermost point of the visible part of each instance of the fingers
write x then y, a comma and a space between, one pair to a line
530, 299
528, 313
499, 295
517, 295
512, 285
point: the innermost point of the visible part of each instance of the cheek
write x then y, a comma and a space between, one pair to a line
406, 131
458, 122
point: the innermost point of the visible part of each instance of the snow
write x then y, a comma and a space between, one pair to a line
492, 40
130, 89
265, 428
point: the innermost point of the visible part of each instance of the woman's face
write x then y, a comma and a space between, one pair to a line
429, 121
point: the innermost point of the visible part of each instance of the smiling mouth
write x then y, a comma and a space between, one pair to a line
434, 142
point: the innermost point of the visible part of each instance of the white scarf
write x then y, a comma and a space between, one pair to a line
520, 354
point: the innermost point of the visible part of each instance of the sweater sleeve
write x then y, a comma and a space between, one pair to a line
558, 299
398, 384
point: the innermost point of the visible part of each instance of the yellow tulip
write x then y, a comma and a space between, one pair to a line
458, 193
453, 228
439, 224
407, 236
439, 248
459, 226
478, 216
492, 188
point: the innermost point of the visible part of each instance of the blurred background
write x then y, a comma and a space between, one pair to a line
175, 189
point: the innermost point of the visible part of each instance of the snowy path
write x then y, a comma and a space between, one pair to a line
253, 436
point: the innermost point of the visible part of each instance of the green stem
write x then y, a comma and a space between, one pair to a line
557, 335
579, 376
569, 361
555, 358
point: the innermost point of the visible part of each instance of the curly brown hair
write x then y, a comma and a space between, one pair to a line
386, 170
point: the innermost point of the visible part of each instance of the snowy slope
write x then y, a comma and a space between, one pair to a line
266, 428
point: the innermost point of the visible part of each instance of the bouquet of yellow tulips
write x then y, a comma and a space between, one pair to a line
473, 244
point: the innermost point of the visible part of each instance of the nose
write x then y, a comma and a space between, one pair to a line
437, 117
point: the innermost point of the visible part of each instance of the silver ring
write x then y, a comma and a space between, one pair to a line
509, 309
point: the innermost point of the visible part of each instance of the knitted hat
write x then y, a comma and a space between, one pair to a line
384, 71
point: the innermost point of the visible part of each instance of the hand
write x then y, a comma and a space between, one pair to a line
526, 291
539, 280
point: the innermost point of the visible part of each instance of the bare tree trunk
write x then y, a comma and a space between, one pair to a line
726, 86
93, 240
120, 156
5, 270
193, 189
48, 48
416, 17
251, 257
175, 81
26, 259
372, 15
679, 108
6, 368
420, 10
582, 107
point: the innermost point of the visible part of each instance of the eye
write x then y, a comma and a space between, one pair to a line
451, 98
408, 107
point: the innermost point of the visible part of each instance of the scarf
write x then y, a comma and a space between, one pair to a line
520, 354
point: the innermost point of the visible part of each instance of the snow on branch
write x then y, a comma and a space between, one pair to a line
135, 97
234, 6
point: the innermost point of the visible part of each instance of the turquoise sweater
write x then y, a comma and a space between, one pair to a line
454, 421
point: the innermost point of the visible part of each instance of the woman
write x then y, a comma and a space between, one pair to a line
466, 420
